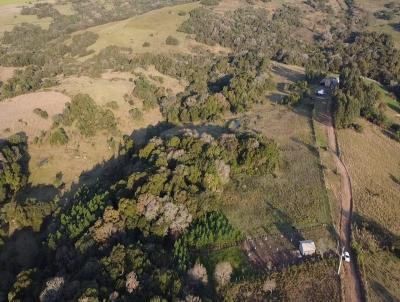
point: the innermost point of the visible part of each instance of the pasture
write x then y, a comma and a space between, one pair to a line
373, 171
147, 28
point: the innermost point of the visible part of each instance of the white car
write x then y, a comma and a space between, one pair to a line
346, 256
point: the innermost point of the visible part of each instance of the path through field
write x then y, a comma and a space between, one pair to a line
351, 280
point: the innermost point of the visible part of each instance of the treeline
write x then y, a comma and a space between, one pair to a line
14, 170
250, 28
355, 98
118, 240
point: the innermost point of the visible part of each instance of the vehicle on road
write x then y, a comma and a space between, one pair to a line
346, 256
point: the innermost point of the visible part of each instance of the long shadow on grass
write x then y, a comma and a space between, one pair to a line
385, 238
383, 293
285, 226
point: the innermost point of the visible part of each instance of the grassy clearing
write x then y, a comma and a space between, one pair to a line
296, 196
314, 281
378, 25
10, 2
10, 16
136, 31
373, 163
82, 154
332, 178
383, 276
373, 169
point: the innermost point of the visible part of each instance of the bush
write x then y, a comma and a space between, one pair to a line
136, 114
87, 116
59, 137
146, 44
172, 41
112, 105
41, 113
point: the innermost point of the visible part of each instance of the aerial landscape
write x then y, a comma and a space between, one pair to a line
212, 150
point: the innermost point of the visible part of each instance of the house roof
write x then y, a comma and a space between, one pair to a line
307, 245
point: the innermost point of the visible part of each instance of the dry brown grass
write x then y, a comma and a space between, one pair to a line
373, 160
17, 114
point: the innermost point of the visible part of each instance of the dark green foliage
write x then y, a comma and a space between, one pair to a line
58, 137
172, 41
233, 84
31, 213
147, 92
353, 98
83, 214
14, 171
273, 37
211, 229
30, 79
87, 116
297, 91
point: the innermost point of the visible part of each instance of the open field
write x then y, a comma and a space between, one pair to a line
82, 154
10, 15
17, 113
376, 192
379, 25
296, 196
383, 276
134, 32
373, 170
307, 282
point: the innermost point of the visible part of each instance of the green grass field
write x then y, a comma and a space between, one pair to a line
296, 196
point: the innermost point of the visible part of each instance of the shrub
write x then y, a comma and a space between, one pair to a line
41, 113
146, 44
87, 116
112, 105
136, 114
59, 137
172, 41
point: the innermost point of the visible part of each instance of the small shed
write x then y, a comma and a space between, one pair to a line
307, 247
330, 82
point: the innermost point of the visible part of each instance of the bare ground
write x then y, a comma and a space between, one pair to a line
17, 115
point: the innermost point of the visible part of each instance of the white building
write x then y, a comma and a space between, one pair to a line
307, 247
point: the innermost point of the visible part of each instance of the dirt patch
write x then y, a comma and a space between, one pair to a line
17, 114
6, 73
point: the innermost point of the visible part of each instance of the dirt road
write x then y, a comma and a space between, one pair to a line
350, 278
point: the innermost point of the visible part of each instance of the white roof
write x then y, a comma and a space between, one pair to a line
307, 245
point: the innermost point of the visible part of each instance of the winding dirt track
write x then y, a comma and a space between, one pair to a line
351, 280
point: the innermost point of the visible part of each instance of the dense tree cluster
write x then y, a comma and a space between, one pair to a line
14, 160
233, 84
353, 98
117, 240
210, 229
250, 29
86, 115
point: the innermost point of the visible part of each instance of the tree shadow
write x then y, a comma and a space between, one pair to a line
44, 193
384, 237
285, 226
287, 73
383, 293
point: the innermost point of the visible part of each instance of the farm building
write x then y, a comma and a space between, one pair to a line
307, 247
330, 82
